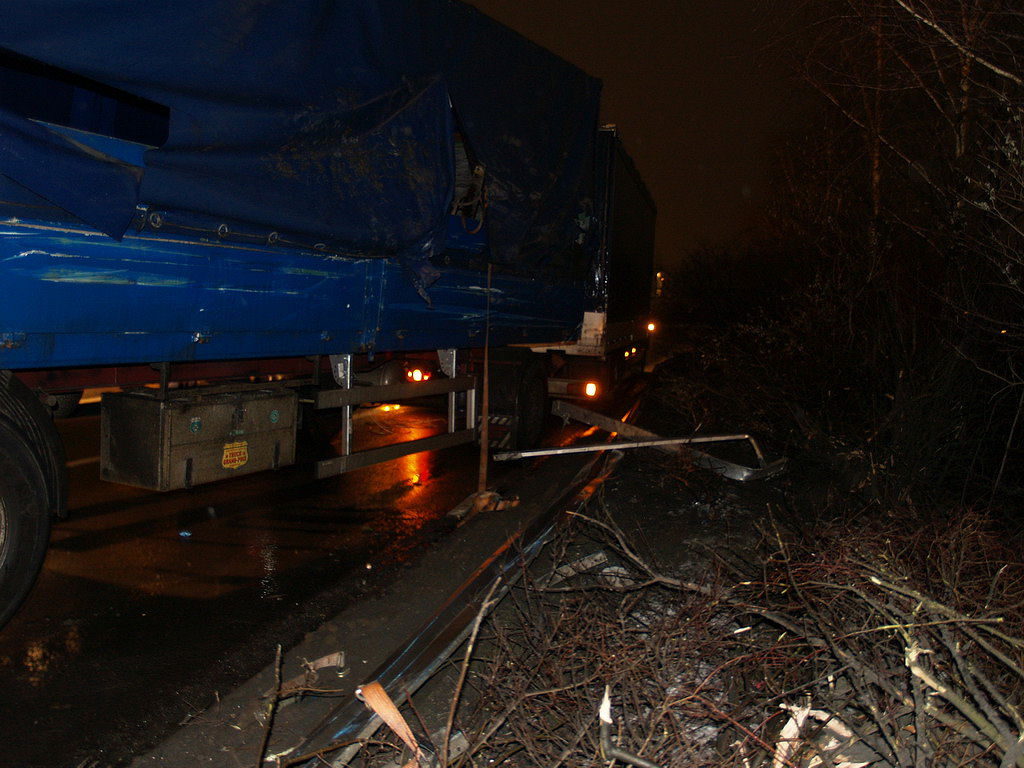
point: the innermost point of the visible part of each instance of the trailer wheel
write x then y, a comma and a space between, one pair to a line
24, 412
531, 405
518, 399
24, 519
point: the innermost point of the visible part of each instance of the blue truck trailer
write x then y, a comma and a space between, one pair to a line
297, 204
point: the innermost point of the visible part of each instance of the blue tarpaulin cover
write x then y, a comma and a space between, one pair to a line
331, 121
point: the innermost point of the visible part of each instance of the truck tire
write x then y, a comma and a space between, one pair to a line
531, 405
518, 399
24, 519
26, 413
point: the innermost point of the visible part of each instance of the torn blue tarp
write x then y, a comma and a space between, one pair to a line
102, 191
330, 121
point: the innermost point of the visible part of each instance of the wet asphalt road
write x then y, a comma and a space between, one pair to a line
150, 605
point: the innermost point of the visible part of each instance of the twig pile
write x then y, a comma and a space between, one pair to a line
897, 646
909, 639
550, 660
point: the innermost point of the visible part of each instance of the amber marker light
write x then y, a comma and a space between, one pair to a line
651, 327
590, 389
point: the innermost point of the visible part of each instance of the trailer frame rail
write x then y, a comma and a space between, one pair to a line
346, 396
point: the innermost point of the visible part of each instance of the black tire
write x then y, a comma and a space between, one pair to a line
24, 519
531, 405
518, 399
30, 418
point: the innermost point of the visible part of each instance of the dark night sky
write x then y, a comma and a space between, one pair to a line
693, 92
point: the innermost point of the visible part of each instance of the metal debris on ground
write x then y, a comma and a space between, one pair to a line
643, 438
308, 678
482, 501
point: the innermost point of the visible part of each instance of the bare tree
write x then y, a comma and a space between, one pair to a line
915, 193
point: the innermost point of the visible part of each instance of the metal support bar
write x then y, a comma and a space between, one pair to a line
471, 408
165, 378
643, 438
348, 396
341, 367
447, 359
341, 464
337, 398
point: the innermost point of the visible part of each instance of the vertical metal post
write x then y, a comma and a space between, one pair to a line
484, 396
341, 367
165, 378
471, 408
446, 357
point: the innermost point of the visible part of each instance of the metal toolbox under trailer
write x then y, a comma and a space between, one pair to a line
184, 439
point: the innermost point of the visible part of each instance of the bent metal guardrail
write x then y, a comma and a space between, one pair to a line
645, 439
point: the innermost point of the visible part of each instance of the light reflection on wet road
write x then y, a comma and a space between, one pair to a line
148, 604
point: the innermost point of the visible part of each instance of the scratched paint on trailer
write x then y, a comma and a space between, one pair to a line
112, 277
76, 299
521, 310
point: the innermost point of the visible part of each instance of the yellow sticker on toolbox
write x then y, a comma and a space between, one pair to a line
235, 455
